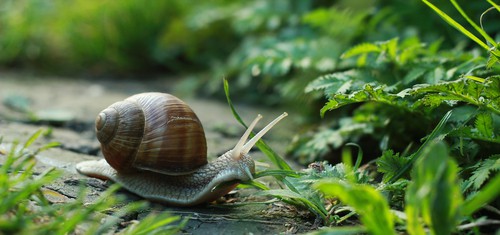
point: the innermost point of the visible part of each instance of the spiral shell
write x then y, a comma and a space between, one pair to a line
152, 131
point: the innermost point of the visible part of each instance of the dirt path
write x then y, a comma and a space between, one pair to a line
69, 106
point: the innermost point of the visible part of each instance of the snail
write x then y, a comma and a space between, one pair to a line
154, 146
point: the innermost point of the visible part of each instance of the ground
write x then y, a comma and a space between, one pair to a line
68, 108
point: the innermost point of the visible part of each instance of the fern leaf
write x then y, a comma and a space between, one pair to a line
483, 169
369, 92
484, 125
485, 95
334, 82
494, 57
390, 163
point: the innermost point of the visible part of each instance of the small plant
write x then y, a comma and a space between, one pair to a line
25, 210
433, 198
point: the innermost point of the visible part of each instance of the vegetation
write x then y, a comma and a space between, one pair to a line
417, 101
26, 210
403, 90
110, 37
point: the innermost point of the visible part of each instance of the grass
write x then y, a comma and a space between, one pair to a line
26, 210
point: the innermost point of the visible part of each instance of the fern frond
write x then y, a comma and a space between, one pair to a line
390, 163
369, 92
485, 95
483, 169
334, 82
484, 125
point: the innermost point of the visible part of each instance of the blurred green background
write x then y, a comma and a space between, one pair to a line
260, 43
270, 51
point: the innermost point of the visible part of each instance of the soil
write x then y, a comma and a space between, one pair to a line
65, 108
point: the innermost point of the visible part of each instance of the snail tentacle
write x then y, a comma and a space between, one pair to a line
246, 148
238, 147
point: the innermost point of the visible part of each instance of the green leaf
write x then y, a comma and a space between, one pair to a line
484, 125
489, 192
434, 193
362, 48
492, 60
340, 230
456, 25
32, 139
339, 82
390, 163
372, 207
254, 184
494, 4
307, 202
472, 23
369, 92
483, 169
485, 95
157, 224
284, 173
391, 47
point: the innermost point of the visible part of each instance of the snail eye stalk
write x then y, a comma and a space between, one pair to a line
241, 149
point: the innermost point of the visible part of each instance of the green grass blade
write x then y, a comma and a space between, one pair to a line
283, 173
110, 221
49, 145
283, 193
456, 25
155, 224
19, 188
488, 193
273, 156
478, 29
494, 5
32, 139
254, 184
343, 230
11, 158
434, 192
475, 78
370, 204
359, 157
432, 137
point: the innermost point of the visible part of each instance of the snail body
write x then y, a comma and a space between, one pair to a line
154, 146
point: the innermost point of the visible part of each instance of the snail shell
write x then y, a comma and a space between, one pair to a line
152, 131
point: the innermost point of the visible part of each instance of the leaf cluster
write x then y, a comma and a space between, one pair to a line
438, 194
286, 44
433, 201
436, 186
391, 79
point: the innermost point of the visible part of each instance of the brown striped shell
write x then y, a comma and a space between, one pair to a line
152, 131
